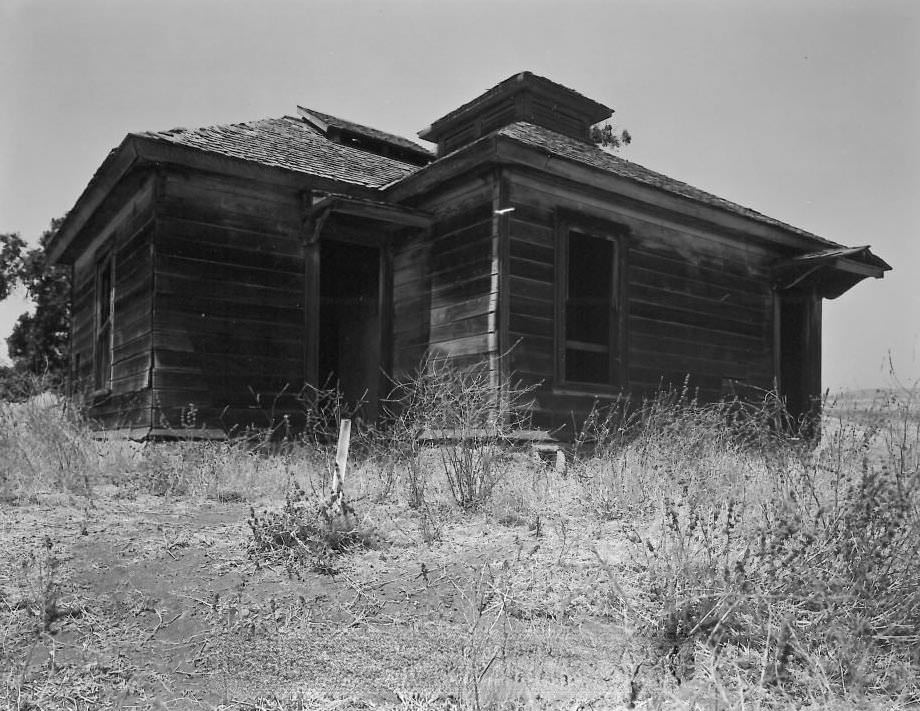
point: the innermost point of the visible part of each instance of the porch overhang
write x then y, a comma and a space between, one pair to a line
386, 216
831, 272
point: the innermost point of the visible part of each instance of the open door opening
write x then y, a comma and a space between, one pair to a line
792, 355
350, 323
799, 363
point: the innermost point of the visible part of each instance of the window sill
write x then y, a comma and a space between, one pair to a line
600, 391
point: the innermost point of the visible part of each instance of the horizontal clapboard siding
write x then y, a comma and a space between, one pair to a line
460, 292
124, 402
411, 304
699, 305
124, 411
228, 331
532, 292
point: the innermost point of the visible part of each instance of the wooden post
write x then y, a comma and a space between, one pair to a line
561, 464
341, 459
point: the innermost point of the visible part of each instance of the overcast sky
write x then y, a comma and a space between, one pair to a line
806, 111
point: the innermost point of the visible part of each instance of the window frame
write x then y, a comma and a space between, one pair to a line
566, 224
103, 328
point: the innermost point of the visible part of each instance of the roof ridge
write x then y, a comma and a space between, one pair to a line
185, 129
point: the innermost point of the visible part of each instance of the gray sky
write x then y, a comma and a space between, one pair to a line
805, 111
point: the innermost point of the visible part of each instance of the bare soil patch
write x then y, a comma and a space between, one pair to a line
157, 601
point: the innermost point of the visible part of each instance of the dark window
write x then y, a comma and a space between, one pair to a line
102, 359
590, 328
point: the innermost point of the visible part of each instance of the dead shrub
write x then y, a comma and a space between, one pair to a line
468, 414
308, 530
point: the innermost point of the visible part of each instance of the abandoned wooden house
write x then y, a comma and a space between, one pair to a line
211, 264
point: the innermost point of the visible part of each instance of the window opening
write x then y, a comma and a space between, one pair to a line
590, 313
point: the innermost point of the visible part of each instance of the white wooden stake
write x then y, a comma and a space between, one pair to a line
560, 462
341, 458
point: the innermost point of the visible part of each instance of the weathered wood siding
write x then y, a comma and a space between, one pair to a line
411, 303
229, 301
461, 252
699, 305
124, 402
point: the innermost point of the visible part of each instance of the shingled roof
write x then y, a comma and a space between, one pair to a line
290, 143
558, 145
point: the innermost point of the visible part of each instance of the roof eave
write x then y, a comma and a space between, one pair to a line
514, 152
395, 216
853, 266
116, 165
852, 271
137, 149
832, 272
505, 150
152, 150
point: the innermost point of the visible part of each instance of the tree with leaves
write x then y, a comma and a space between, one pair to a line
606, 137
39, 343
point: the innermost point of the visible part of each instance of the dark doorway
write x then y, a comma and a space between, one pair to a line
792, 354
349, 322
800, 356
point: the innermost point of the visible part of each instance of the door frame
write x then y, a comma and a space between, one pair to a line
313, 302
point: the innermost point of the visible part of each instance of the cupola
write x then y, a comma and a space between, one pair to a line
521, 97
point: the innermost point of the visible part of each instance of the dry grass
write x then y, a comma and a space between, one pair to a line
688, 559
779, 569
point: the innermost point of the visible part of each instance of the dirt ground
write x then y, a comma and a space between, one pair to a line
130, 578
131, 600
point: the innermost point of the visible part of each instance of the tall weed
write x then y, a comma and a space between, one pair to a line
44, 446
802, 554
